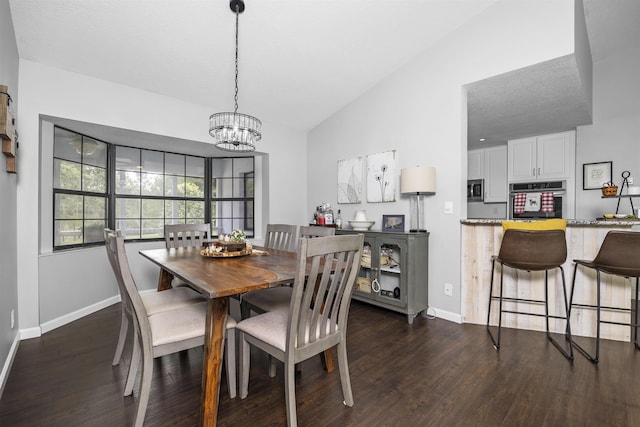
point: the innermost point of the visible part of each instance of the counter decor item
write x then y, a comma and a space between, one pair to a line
360, 222
393, 223
609, 189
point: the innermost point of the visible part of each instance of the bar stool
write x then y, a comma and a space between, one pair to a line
618, 255
531, 250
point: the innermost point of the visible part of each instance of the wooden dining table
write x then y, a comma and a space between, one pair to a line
217, 279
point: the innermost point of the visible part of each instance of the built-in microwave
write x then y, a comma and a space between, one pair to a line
475, 190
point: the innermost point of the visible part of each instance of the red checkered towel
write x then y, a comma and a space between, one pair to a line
519, 200
546, 202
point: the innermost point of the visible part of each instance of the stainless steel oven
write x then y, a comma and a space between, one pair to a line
475, 190
559, 190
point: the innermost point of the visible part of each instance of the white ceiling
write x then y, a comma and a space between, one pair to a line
300, 60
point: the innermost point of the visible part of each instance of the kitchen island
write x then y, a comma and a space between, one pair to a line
481, 239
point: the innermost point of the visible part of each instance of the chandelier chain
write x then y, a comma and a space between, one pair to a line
236, 94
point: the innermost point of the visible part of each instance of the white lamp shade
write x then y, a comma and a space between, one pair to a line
418, 180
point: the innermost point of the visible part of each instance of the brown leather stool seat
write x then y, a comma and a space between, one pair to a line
618, 255
531, 250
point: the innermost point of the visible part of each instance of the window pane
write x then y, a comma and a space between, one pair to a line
152, 208
174, 164
195, 209
152, 161
94, 152
94, 231
130, 228
195, 166
127, 159
221, 167
68, 206
242, 166
95, 208
67, 232
67, 145
174, 186
222, 188
175, 209
128, 183
152, 184
66, 175
94, 179
194, 187
152, 228
128, 208
249, 182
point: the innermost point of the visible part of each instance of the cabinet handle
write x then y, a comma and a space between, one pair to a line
533, 172
538, 171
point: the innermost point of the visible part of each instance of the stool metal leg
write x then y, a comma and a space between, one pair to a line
584, 352
496, 343
569, 354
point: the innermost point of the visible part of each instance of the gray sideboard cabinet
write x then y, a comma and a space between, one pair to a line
394, 271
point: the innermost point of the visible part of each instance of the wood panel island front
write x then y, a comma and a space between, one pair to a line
481, 239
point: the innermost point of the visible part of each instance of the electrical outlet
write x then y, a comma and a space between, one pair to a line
13, 318
448, 208
448, 289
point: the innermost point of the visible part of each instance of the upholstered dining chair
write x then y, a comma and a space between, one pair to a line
618, 256
162, 333
531, 250
154, 302
317, 316
186, 235
280, 236
264, 300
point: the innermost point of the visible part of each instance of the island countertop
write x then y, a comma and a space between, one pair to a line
614, 222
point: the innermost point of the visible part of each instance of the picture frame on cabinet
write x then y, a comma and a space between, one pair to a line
594, 175
393, 223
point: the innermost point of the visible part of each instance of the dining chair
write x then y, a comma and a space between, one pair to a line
154, 302
280, 236
263, 300
186, 235
617, 256
162, 333
317, 316
531, 250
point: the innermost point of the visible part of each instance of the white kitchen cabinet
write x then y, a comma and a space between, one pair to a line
475, 164
495, 174
542, 158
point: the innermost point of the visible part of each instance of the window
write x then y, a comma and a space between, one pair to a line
79, 189
153, 188
138, 191
232, 194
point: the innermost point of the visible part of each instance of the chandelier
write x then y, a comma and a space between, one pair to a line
235, 131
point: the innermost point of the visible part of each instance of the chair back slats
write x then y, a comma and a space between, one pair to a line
322, 294
186, 235
533, 250
620, 253
316, 231
280, 236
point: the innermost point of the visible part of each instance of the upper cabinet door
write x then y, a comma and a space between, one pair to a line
521, 159
556, 154
495, 174
475, 159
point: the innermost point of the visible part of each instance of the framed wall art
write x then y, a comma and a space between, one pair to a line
381, 177
594, 175
350, 180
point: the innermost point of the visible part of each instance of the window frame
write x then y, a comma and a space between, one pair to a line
111, 196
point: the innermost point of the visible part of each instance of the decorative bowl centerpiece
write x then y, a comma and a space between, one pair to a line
361, 225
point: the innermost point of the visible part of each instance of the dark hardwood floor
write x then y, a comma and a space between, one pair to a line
431, 373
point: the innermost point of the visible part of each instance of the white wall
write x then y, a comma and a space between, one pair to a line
420, 111
57, 93
8, 222
614, 134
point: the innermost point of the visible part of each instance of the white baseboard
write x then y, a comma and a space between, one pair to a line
9, 362
28, 333
78, 314
447, 315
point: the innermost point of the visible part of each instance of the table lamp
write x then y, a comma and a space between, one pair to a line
417, 182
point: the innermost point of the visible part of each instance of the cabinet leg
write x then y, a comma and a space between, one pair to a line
410, 318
